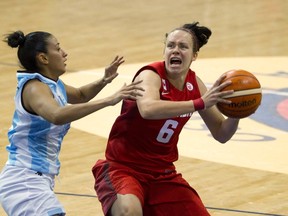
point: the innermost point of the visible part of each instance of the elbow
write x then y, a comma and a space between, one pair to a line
146, 115
223, 136
151, 110
57, 119
221, 139
59, 123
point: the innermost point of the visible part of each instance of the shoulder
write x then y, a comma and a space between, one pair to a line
150, 71
147, 75
35, 86
158, 67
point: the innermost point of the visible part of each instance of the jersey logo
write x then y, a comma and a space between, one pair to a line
165, 87
164, 93
189, 86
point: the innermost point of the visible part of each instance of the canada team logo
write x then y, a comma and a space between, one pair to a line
189, 86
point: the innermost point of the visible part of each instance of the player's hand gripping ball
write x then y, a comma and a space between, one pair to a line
246, 97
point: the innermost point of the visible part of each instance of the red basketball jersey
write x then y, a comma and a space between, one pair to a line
150, 145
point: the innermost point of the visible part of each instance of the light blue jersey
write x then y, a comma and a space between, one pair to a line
34, 142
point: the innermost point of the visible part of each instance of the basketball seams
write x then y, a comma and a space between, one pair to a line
239, 93
241, 79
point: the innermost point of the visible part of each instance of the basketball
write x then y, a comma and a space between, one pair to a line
246, 97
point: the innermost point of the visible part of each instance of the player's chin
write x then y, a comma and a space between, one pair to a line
62, 71
64, 68
175, 70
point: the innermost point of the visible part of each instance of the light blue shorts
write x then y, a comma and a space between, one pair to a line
26, 193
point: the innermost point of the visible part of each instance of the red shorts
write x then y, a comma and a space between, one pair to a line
167, 194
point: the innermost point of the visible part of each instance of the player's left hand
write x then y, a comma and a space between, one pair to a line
111, 70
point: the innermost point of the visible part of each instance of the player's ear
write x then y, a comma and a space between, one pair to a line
42, 58
195, 55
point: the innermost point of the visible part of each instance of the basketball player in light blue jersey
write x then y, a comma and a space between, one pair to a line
44, 108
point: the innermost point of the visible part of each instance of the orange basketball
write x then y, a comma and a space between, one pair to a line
246, 97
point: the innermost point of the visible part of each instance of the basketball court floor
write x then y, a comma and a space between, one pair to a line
246, 176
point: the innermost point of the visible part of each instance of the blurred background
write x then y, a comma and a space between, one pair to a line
92, 32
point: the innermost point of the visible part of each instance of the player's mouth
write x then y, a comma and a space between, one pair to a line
175, 61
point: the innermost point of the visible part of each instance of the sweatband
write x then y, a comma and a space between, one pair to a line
198, 104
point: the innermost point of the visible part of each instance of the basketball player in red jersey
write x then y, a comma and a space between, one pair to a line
138, 176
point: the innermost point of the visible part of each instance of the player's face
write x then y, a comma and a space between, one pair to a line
56, 56
178, 52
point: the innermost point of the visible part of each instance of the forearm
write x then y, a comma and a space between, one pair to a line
90, 90
159, 109
70, 113
221, 128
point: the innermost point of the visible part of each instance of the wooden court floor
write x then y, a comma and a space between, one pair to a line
92, 32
